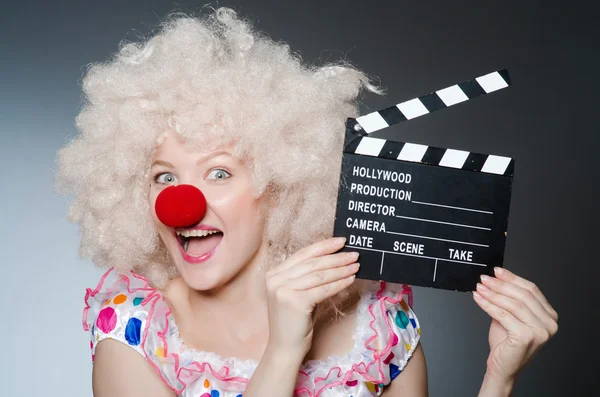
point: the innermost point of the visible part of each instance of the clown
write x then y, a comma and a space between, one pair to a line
205, 179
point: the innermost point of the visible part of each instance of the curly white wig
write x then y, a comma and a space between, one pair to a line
212, 79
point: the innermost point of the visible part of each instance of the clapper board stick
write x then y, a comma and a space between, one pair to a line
440, 99
419, 214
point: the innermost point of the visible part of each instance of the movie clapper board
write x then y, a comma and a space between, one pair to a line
418, 214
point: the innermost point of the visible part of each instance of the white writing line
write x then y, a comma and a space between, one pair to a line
449, 206
381, 268
435, 270
445, 223
440, 239
416, 256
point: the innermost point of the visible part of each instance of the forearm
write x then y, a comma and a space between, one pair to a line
494, 387
276, 365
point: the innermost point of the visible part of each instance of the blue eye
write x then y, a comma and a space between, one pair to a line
165, 177
219, 174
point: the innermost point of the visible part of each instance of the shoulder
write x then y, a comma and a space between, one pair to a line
134, 316
118, 308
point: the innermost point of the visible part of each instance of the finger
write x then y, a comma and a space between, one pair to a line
324, 247
514, 306
320, 263
313, 265
503, 316
322, 292
520, 295
510, 277
322, 277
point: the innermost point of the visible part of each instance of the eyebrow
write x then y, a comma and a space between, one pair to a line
209, 156
163, 163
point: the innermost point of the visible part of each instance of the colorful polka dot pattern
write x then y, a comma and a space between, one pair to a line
401, 319
404, 306
372, 387
133, 331
107, 320
126, 313
387, 360
119, 299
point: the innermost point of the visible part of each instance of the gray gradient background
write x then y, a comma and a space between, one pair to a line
544, 121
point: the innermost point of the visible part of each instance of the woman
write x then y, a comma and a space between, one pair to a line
249, 294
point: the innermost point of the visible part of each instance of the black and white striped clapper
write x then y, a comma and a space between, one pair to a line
419, 214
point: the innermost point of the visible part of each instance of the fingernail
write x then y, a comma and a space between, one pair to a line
354, 255
485, 278
476, 296
482, 288
498, 271
339, 240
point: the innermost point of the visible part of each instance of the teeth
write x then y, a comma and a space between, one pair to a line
185, 244
196, 233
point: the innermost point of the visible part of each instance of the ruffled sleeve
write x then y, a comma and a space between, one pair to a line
386, 336
126, 308
118, 309
396, 329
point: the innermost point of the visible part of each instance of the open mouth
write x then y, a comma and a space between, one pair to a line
198, 243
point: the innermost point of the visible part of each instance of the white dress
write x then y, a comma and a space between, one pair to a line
128, 309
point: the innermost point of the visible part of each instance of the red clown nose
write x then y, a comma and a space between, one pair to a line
180, 206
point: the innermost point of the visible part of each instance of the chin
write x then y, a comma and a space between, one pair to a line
205, 272
204, 279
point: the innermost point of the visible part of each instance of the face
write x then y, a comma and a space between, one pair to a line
230, 235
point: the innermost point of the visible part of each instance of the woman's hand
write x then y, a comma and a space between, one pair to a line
295, 287
522, 322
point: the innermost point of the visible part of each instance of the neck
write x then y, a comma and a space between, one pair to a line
241, 301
